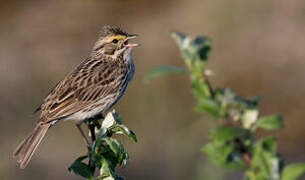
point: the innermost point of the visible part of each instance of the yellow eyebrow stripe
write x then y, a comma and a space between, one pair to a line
118, 37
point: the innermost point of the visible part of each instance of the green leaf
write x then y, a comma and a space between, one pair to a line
115, 146
179, 37
161, 70
202, 46
81, 158
200, 89
223, 155
225, 96
293, 171
126, 160
116, 117
227, 133
105, 170
192, 48
102, 132
218, 154
268, 144
80, 168
266, 163
208, 106
270, 122
122, 129
254, 100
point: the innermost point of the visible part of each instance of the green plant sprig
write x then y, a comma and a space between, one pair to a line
105, 152
232, 144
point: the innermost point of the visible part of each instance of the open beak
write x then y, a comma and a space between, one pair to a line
129, 45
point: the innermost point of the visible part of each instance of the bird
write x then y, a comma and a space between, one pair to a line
89, 90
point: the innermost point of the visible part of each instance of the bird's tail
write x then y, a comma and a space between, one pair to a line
26, 149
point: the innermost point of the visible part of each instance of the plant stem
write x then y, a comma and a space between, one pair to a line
91, 127
206, 79
92, 123
245, 155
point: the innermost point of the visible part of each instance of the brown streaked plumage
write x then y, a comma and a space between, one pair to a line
92, 88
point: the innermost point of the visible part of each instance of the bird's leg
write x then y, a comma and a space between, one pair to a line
83, 134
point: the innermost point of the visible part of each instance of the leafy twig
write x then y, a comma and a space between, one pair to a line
105, 153
232, 144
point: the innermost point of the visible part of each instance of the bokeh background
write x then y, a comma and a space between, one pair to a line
258, 48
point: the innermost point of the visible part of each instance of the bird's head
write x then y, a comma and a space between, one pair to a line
113, 41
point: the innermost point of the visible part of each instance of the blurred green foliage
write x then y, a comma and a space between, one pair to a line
105, 152
235, 118
163, 69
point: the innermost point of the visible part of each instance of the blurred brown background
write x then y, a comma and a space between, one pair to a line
258, 48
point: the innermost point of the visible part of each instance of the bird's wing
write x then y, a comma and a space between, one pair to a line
88, 83
39, 107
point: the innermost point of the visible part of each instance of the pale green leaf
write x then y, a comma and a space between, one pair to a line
270, 122
122, 129
293, 171
108, 178
108, 121
223, 155
226, 133
179, 37
208, 106
115, 145
105, 170
162, 70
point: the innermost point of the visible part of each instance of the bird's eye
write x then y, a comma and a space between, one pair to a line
115, 41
